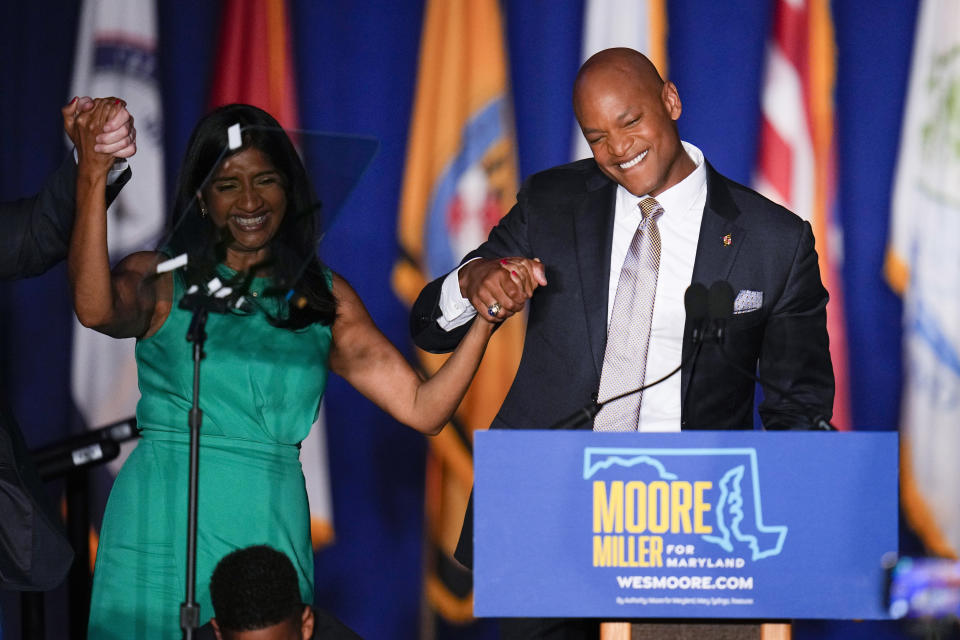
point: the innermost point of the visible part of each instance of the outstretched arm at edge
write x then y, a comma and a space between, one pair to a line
374, 366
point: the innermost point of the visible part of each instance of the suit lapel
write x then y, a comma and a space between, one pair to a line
720, 236
717, 248
593, 234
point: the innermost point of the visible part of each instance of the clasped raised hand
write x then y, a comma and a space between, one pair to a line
106, 121
500, 287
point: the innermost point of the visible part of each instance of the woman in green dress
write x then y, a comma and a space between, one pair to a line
262, 378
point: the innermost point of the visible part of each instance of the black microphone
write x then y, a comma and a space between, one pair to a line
84, 450
720, 305
695, 303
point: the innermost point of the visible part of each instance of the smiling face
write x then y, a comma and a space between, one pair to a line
247, 197
627, 114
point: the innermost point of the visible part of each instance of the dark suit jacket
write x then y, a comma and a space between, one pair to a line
37, 229
34, 553
564, 216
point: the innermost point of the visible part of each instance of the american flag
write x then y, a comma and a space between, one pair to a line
796, 163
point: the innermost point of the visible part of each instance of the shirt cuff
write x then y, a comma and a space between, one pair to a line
457, 310
119, 166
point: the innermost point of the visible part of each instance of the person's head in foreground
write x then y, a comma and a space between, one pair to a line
256, 597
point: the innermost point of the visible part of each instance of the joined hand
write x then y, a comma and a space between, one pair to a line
500, 287
116, 137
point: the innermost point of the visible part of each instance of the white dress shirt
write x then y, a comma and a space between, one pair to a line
679, 226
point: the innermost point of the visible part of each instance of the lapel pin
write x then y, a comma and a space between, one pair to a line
727, 240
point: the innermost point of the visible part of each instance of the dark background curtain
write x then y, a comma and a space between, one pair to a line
357, 65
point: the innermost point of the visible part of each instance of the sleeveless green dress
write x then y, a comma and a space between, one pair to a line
260, 391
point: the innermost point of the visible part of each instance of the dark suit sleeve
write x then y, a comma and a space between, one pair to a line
34, 552
508, 238
795, 354
38, 228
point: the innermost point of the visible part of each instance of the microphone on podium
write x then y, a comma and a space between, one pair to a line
720, 305
720, 308
708, 313
696, 304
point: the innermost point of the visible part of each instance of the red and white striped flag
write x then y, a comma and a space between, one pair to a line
796, 162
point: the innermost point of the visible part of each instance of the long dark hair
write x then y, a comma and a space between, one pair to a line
298, 276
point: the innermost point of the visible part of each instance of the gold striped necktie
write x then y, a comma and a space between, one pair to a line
628, 336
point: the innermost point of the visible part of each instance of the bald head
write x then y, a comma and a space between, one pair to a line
631, 65
628, 115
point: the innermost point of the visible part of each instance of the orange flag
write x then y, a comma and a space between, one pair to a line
460, 178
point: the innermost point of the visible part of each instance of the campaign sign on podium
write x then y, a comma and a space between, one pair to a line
714, 524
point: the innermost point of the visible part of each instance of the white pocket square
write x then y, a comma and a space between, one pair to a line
747, 301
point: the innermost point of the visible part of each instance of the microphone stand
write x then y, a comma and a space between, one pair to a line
700, 306
216, 297
695, 304
720, 308
196, 334
200, 304
817, 419
585, 414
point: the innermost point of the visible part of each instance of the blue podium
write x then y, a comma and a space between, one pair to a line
714, 524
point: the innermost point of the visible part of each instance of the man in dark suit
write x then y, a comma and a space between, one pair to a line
581, 222
34, 553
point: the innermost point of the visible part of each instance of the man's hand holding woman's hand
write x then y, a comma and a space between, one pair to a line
117, 136
500, 287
